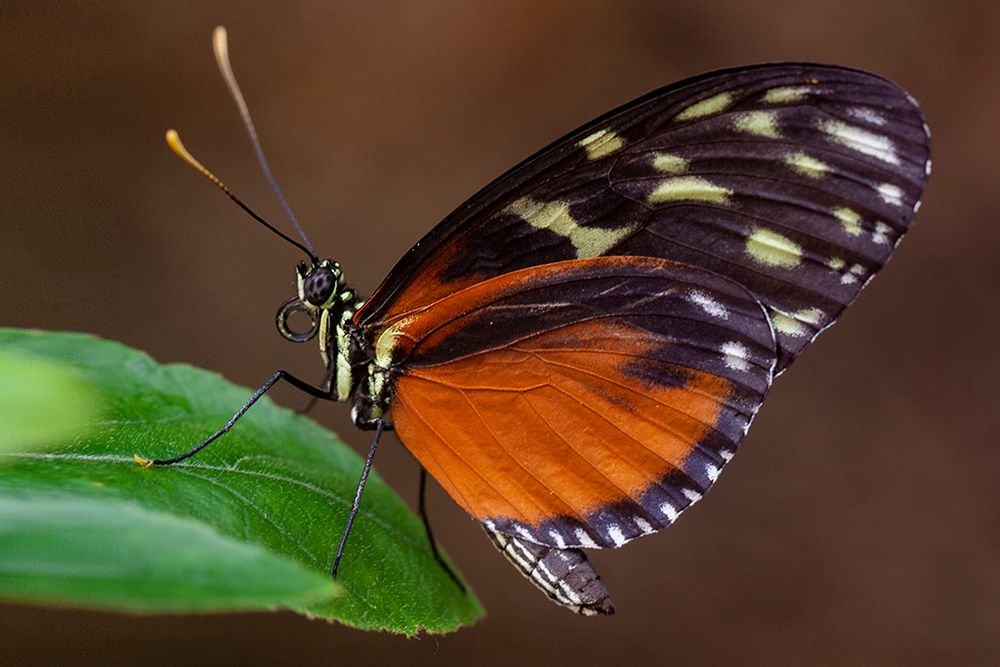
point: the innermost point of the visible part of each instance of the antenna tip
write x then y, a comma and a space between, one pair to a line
219, 41
174, 141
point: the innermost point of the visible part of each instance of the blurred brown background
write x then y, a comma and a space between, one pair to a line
861, 522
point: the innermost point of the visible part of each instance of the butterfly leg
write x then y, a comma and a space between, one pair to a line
317, 392
430, 535
355, 506
564, 575
327, 383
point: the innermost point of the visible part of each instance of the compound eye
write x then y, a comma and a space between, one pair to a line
319, 286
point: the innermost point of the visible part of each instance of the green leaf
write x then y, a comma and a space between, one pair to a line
41, 402
250, 523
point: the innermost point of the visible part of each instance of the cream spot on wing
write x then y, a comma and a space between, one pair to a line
869, 115
795, 324
689, 188
706, 107
773, 249
835, 263
670, 164
601, 144
881, 233
734, 356
761, 123
849, 219
806, 165
786, 94
890, 194
555, 217
876, 145
386, 342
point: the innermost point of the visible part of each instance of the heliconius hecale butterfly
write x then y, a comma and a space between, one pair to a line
578, 350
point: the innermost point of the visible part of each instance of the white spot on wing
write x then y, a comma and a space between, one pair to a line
691, 495
734, 355
890, 194
669, 511
584, 539
856, 271
856, 138
708, 304
868, 115
711, 472
643, 525
557, 538
523, 532
616, 534
881, 233
726, 455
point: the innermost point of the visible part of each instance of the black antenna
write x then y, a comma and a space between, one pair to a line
174, 141
220, 45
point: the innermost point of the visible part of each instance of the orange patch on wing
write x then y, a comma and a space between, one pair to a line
424, 287
553, 425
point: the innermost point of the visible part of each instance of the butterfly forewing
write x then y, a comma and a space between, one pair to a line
794, 180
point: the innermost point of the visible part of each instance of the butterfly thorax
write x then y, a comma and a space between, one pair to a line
329, 303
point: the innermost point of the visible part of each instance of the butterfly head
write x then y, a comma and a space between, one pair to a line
320, 289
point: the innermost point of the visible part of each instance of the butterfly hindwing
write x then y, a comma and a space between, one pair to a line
794, 180
580, 403
564, 575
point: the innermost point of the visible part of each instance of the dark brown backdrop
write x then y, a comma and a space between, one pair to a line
861, 522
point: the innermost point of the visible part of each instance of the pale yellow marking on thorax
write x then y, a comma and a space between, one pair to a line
772, 249
849, 219
689, 188
670, 164
785, 94
875, 145
324, 336
706, 107
555, 217
806, 165
761, 123
601, 144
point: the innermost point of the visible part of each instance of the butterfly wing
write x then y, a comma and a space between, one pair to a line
581, 403
794, 180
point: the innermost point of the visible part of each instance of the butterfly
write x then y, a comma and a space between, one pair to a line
578, 350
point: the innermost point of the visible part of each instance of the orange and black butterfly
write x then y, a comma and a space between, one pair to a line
578, 350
